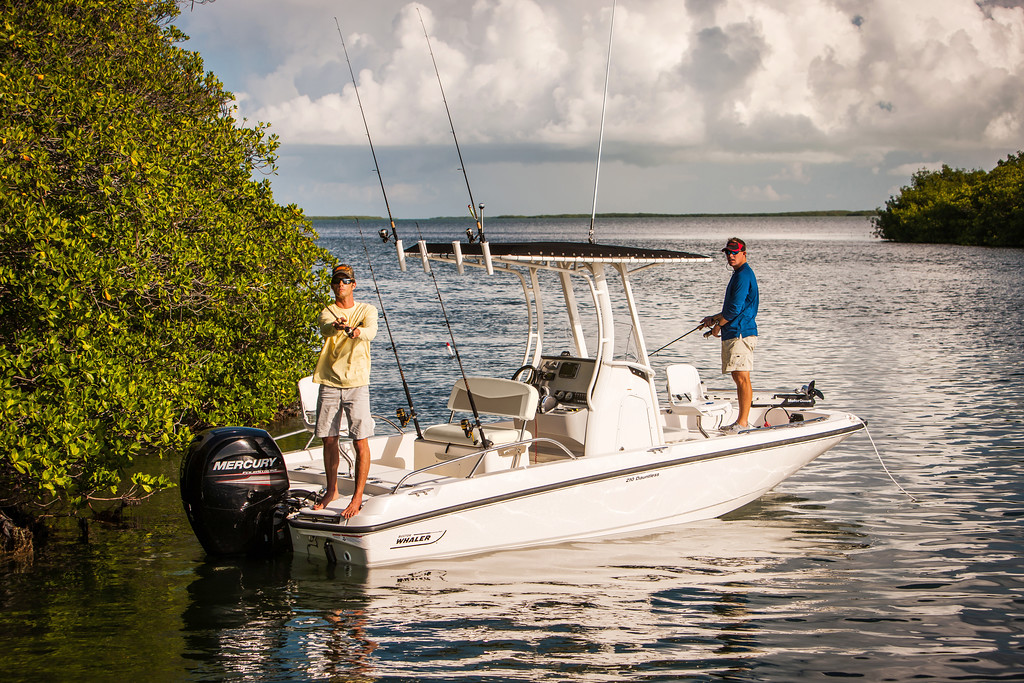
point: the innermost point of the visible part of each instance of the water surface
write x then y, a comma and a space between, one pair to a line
835, 574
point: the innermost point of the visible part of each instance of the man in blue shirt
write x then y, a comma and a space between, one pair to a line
736, 325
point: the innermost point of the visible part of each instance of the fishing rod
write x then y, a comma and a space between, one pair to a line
478, 217
455, 348
398, 363
676, 339
604, 102
376, 166
394, 347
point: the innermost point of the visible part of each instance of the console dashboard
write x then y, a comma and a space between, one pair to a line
566, 378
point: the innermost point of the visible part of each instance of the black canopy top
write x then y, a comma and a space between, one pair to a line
561, 251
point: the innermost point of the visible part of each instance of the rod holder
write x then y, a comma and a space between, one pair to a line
457, 250
485, 249
423, 256
401, 254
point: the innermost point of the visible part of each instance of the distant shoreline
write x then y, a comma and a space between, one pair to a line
785, 214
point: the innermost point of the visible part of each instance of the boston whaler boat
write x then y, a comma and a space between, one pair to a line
579, 443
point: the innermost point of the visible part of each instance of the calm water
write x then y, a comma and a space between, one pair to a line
835, 574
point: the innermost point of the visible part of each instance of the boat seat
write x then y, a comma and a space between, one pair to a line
495, 396
453, 434
506, 398
309, 394
687, 400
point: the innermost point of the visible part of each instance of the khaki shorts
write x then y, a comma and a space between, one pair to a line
337, 409
738, 354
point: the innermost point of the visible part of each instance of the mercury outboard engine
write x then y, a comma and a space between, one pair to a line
234, 487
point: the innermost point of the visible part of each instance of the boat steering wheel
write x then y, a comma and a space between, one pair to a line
520, 371
545, 402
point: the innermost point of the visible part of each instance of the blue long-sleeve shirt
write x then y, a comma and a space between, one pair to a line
740, 307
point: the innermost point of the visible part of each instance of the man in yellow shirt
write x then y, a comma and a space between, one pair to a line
343, 373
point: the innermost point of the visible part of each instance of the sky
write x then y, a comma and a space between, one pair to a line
713, 106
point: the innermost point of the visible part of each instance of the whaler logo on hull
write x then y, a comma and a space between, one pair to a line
425, 538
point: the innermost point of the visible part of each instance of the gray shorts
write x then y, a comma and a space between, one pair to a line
738, 354
337, 409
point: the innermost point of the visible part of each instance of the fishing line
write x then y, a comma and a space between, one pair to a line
604, 102
879, 456
394, 347
458, 357
376, 166
478, 217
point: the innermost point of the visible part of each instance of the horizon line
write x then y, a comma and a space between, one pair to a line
827, 212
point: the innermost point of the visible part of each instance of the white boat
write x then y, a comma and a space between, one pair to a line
578, 444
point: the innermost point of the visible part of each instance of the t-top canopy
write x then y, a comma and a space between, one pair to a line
578, 252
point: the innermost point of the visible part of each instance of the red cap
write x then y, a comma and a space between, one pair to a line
735, 245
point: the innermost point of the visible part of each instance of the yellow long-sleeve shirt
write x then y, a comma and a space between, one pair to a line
345, 362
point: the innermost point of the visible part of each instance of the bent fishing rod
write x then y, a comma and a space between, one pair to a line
676, 339
394, 347
458, 358
366, 127
369, 262
478, 217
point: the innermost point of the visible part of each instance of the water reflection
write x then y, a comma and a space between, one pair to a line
235, 614
683, 600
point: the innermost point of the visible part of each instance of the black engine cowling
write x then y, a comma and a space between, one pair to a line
234, 487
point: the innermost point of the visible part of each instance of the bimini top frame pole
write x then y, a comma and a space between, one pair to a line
566, 258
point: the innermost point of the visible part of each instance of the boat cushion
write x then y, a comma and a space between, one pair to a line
452, 433
495, 396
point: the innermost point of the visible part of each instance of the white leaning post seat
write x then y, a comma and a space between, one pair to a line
492, 396
309, 394
686, 396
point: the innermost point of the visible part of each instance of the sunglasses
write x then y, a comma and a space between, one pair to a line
345, 280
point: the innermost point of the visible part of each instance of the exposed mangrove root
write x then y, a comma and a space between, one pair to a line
16, 541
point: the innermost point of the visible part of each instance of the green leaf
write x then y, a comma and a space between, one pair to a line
132, 234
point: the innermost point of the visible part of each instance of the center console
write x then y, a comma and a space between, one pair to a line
566, 378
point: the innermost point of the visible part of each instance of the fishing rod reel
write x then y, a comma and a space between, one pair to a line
479, 218
386, 236
404, 417
338, 325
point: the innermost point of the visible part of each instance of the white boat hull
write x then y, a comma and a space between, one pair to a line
564, 500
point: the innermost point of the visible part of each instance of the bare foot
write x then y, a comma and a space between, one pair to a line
324, 502
352, 509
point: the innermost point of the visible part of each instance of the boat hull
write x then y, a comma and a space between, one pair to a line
568, 500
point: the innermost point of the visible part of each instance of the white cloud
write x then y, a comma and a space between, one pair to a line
1004, 130
764, 83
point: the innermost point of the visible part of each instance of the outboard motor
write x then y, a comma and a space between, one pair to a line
234, 487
